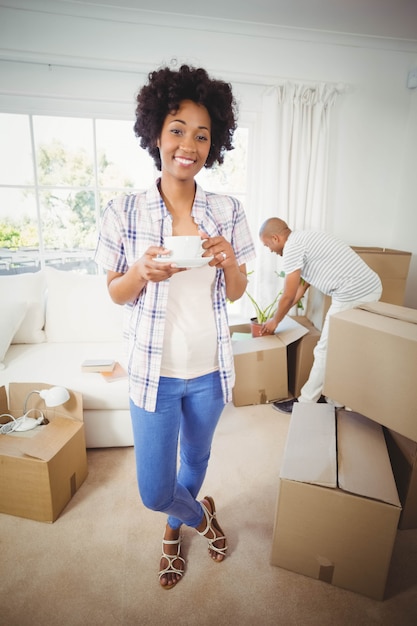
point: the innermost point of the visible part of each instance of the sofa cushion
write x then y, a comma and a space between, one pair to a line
28, 289
12, 314
79, 308
60, 364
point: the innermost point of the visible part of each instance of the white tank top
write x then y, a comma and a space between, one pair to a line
190, 338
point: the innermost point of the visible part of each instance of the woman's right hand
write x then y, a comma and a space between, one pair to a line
126, 287
156, 271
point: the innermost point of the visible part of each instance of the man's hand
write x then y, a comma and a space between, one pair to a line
268, 328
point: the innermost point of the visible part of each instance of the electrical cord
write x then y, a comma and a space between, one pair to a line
23, 423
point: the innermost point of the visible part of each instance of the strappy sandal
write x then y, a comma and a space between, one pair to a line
212, 525
171, 558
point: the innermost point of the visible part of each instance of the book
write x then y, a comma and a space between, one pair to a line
118, 373
98, 365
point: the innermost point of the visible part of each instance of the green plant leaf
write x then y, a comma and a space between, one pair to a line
264, 314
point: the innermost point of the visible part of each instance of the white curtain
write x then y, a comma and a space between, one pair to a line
292, 182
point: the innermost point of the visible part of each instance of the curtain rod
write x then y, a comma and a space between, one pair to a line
142, 68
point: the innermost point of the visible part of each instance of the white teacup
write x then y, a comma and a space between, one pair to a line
184, 246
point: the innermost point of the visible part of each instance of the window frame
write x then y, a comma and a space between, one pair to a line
64, 258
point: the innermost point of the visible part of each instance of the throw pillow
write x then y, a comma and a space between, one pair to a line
79, 308
30, 289
12, 314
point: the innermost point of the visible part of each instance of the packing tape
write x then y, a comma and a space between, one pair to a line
326, 569
262, 396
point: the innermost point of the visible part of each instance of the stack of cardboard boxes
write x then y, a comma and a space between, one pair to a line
390, 377
371, 366
349, 478
338, 508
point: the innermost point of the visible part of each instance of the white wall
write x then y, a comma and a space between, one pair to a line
92, 60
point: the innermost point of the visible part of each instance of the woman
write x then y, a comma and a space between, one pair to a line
180, 358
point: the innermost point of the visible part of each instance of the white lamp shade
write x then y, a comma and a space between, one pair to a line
55, 396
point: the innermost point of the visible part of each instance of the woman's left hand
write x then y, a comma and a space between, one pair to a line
220, 249
224, 257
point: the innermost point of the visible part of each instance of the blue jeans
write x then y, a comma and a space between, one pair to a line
187, 412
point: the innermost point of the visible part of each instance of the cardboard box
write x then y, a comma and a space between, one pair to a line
403, 455
371, 364
338, 507
392, 267
41, 469
261, 363
301, 357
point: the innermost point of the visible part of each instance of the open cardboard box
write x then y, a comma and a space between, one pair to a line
261, 362
371, 364
41, 469
338, 507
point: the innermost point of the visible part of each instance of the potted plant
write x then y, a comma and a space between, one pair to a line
263, 314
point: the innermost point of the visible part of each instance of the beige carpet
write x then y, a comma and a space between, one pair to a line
97, 564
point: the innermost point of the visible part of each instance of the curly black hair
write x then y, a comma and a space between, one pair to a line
166, 89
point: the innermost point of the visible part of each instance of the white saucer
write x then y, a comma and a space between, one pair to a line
185, 263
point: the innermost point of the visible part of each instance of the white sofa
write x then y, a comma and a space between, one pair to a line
51, 321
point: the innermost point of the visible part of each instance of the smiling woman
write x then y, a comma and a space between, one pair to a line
181, 367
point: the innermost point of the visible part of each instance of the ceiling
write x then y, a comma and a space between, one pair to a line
377, 18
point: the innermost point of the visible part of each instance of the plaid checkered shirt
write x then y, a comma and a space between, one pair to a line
133, 222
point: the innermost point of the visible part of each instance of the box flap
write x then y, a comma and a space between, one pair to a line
310, 452
306, 322
378, 251
370, 323
407, 446
10, 445
288, 331
255, 344
18, 392
364, 466
3, 401
43, 443
394, 311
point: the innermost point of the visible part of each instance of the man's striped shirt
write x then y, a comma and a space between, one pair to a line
330, 265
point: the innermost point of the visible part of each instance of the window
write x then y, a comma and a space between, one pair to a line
58, 173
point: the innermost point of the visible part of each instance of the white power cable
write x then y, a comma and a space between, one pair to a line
22, 424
